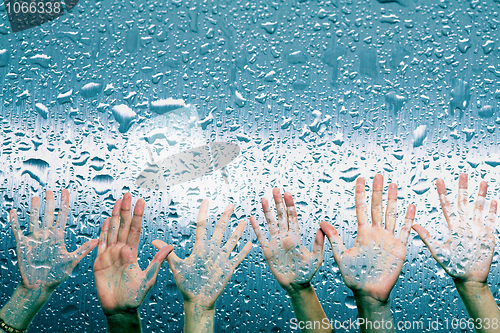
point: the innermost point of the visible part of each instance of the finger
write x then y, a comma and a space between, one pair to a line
258, 232
35, 214
293, 220
445, 203
240, 256
103, 236
429, 242
319, 242
83, 250
338, 247
233, 240
50, 206
406, 227
222, 224
159, 244
62, 216
493, 212
462, 195
378, 187
480, 201
16, 228
125, 220
360, 202
114, 223
392, 208
280, 209
134, 235
272, 224
201, 222
155, 265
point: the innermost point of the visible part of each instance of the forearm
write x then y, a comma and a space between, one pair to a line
198, 319
374, 316
307, 308
480, 305
121, 323
23, 306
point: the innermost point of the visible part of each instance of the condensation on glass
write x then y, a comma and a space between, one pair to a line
302, 95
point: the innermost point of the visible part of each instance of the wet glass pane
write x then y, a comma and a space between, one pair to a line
177, 101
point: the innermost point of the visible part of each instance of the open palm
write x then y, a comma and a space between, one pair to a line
467, 253
372, 266
43, 259
203, 275
121, 284
291, 263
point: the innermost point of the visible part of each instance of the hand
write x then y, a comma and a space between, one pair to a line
202, 276
372, 266
467, 253
43, 260
291, 263
121, 284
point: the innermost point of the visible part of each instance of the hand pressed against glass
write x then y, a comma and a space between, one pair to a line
44, 262
203, 275
43, 259
467, 252
291, 263
372, 266
121, 283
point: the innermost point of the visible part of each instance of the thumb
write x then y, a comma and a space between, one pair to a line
83, 250
319, 241
427, 239
155, 264
338, 247
159, 244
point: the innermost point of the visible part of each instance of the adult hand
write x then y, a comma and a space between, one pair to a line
467, 253
44, 262
468, 250
372, 266
203, 275
121, 284
291, 263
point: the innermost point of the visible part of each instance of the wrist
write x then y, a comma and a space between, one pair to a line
128, 322
198, 318
197, 307
370, 302
465, 288
299, 290
23, 306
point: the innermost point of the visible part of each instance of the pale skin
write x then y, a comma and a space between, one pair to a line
467, 252
42, 258
121, 283
203, 275
291, 263
372, 266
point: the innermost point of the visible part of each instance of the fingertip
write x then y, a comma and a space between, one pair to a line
328, 229
248, 247
411, 211
289, 199
165, 251
493, 206
159, 244
320, 236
